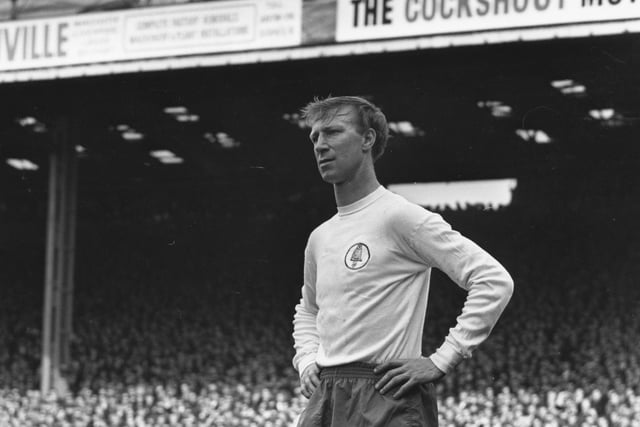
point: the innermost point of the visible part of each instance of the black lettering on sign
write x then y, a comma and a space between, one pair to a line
25, 40
589, 3
429, 17
463, 4
11, 40
34, 46
47, 52
386, 11
371, 12
542, 4
355, 4
409, 12
32, 42
518, 7
62, 39
506, 6
448, 13
484, 9
428, 10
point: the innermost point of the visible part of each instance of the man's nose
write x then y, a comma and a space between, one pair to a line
320, 145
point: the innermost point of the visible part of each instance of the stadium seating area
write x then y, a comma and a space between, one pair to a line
183, 317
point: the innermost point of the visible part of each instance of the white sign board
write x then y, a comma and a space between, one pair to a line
208, 27
382, 19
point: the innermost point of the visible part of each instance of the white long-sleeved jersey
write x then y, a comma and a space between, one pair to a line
366, 286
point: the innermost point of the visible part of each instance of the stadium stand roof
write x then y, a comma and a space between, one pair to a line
244, 126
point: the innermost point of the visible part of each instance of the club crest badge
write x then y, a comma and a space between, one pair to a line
357, 256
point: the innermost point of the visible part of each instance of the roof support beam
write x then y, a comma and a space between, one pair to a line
60, 261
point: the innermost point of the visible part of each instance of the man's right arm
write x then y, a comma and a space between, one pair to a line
305, 330
305, 334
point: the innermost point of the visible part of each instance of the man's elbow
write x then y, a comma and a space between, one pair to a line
501, 283
508, 286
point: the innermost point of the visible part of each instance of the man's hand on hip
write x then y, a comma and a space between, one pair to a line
309, 380
405, 374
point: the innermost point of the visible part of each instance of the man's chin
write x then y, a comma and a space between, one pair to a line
327, 177
332, 180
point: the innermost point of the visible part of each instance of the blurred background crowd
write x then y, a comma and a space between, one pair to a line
184, 301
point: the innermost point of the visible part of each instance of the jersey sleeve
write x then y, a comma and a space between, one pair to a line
305, 331
488, 284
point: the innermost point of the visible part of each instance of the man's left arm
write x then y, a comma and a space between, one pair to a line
489, 288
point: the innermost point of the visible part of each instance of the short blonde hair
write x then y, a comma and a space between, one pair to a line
369, 115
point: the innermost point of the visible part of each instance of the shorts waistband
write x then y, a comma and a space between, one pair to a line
350, 370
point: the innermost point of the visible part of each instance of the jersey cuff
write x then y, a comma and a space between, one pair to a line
446, 357
305, 362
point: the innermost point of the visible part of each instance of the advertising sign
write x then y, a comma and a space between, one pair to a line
382, 19
211, 27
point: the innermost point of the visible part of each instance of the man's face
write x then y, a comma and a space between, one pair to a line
338, 145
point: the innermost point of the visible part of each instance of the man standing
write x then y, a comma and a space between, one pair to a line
358, 327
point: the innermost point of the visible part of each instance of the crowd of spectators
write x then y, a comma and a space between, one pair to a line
182, 317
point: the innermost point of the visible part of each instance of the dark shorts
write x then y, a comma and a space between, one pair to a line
346, 397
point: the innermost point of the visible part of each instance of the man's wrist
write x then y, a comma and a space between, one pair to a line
305, 362
438, 364
446, 357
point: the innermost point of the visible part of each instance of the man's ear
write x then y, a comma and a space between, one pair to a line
369, 139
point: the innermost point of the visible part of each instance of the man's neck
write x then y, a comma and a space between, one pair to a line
352, 191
